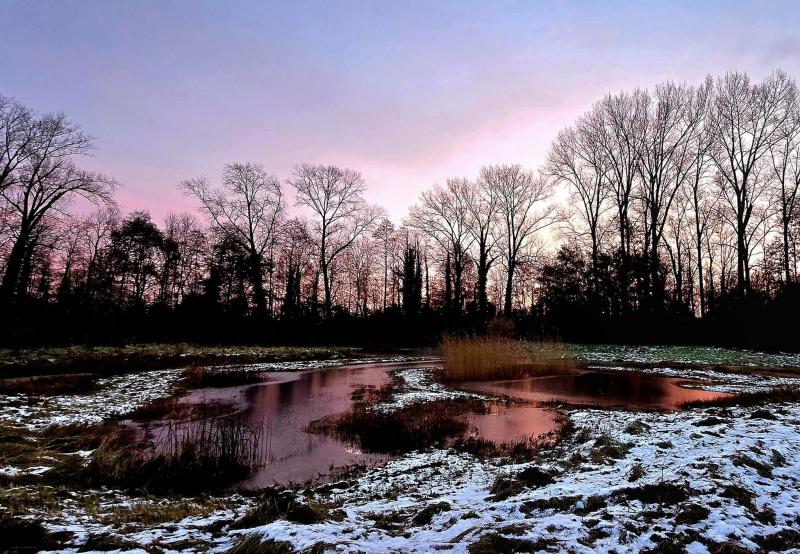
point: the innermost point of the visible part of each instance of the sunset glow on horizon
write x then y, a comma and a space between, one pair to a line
408, 94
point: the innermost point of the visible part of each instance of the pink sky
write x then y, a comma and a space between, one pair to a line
408, 93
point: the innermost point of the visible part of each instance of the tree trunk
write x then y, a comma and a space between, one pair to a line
483, 274
327, 285
787, 273
14, 265
509, 289
741, 258
258, 283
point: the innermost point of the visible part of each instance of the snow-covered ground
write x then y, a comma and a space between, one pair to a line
592, 505
112, 521
418, 385
701, 480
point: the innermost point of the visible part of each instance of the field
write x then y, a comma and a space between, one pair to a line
723, 475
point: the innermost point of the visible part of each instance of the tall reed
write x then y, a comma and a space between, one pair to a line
476, 359
206, 454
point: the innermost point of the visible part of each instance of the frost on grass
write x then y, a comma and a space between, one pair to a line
699, 482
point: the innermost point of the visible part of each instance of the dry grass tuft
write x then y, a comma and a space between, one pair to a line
476, 359
205, 455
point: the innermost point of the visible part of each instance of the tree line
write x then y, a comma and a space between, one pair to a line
655, 211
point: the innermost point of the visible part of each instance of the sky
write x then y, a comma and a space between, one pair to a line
409, 93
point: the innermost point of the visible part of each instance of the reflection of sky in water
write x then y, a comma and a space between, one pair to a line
633, 390
288, 402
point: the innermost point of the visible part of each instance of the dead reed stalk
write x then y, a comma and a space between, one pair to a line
477, 359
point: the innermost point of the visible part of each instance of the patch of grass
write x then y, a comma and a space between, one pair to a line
393, 522
743, 460
277, 503
45, 385
739, 494
691, 514
172, 408
607, 448
425, 515
495, 543
475, 359
403, 430
531, 477
253, 544
17, 535
659, 493
153, 513
525, 449
636, 473
138, 357
199, 376
637, 427
22, 500
155, 409
766, 515
106, 542
206, 455
556, 503
54, 447
784, 539
591, 504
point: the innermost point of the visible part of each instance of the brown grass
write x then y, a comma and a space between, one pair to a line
410, 428
206, 455
199, 376
78, 383
139, 357
477, 359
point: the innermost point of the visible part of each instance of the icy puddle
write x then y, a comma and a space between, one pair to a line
618, 389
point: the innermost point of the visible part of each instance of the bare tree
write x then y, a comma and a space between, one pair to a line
483, 203
385, 236
99, 226
45, 184
702, 204
672, 119
577, 159
620, 136
248, 209
523, 211
296, 254
785, 163
745, 121
336, 198
443, 213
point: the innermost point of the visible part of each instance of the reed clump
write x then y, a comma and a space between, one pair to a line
486, 358
207, 454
